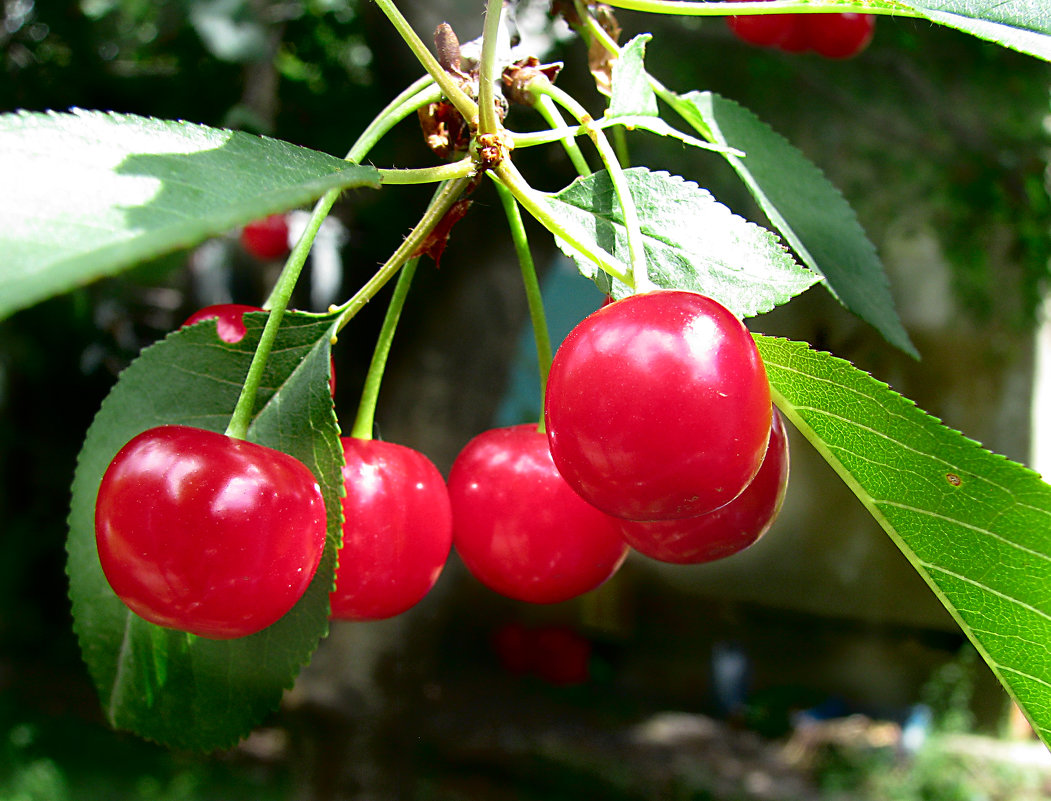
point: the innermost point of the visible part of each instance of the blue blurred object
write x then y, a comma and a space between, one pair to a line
731, 678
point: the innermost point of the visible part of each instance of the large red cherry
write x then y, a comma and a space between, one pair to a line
518, 526
658, 407
204, 533
397, 530
727, 530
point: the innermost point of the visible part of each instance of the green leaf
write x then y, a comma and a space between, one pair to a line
808, 210
175, 688
1022, 25
976, 526
88, 194
631, 92
692, 241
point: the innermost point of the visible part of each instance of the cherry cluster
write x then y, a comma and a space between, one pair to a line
833, 35
660, 436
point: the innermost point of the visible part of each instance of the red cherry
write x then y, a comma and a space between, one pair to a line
561, 656
397, 530
229, 319
798, 38
730, 528
229, 324
208, 534
658, 407
765, 30
513, 644
266, 238
518, 526
839, 35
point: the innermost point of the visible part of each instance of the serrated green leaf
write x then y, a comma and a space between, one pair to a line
631, 93
805, 207
177, 689
87, 194
976, 526
692, 241
1022, 25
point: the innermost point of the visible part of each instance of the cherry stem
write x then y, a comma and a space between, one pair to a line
692, 8
536, 204
450, 88
534, 297
553, 117
443, 200
429, 175
488, 122
366, 416
636, 246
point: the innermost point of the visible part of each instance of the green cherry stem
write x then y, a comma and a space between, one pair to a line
366, 416
442, 202
553, 117
636, 246
420, 93
457, 96
277, 303
429, 175
488, 122
534, 298
536, 204
693, 8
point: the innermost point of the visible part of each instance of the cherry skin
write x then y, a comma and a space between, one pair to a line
397, 530
204, 533
562, 655
229, 319
266, 238
764, 30
839, 35
658, 407
229, 324
727, 530
518, 526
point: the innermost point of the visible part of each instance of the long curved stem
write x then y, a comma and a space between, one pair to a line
695, 8
636, 246
487, 119
366, 416
534, 202
464, 104
534, 297
553, 117
443, 201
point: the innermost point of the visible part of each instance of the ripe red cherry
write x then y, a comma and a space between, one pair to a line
658, 407
266, 238
839, 35
518, 526
728, 529
397, 530
208, 534
229, 323
229, 319
765, 30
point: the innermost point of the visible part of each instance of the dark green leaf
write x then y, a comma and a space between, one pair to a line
976, 526
87, 194
692, 241
808, 210
169, 686
1022, 25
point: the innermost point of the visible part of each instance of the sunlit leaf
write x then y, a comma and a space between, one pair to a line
691, 241
87, 194
975, 526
